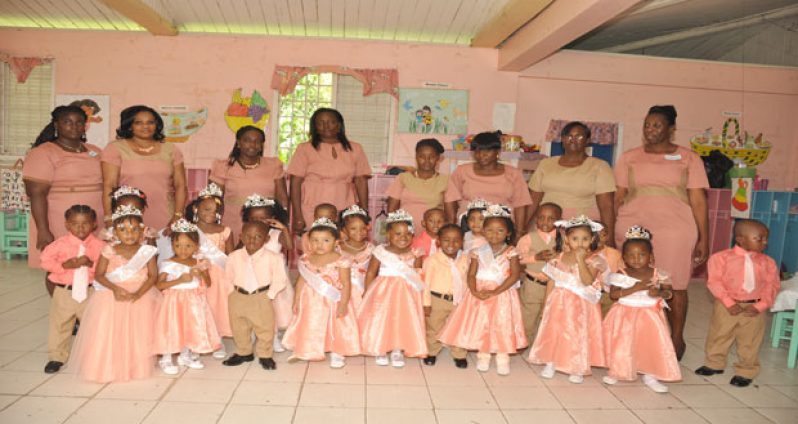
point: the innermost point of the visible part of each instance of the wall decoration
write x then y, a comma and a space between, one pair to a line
741, 192
98, 109
244, 111
430, 111
179, 126
13, 189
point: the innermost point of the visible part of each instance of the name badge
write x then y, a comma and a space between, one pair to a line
673, 157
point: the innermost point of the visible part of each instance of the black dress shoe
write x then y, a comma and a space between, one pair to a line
461, 363
430, 360
76, 327
267, 363
53, 367
740, 381
237, 360
705, 370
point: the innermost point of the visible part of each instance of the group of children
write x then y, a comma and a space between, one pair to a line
468, 287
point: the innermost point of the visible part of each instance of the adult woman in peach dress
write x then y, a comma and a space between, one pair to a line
327, 169
60, 170
139, 158
487, 179
246, 171
662, 186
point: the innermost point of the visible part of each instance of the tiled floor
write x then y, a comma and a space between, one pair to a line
363, 392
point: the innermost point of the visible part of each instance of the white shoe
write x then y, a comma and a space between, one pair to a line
221, 353
190, 361
277, 345
483, 364
337, 361
548, 371
609, 380
381, 360
653, 384
576, 379
503, 369
397, 359
169, 368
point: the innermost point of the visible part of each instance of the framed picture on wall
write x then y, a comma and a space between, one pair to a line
433, 111
98, 109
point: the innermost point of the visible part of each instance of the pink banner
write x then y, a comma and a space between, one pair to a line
285, 78
23, 66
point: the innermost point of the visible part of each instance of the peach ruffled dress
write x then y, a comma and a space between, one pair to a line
637, 339
212, 249
570, 334
359, 265
283, 303
391, 315
493, 325
316, 328
115, 338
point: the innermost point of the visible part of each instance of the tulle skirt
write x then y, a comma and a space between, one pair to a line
184, 320
493, 325
316, 329
217, 295
638, 341
391, 316
115, 339
569, 335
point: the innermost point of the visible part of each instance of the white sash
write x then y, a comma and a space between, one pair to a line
392, 266
571, 282
174, 270
357, 278
458, 285
317, 283
489, 269
137, 262
210, 251
639, 299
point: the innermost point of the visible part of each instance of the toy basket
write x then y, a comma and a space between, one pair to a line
750, 151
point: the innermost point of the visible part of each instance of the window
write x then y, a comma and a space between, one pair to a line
25, 108
368, 119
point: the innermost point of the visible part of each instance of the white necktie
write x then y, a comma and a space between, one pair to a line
433, 247
250, 278
749, 279
80, 279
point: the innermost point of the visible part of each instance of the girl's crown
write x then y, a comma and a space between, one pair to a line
580, 221
183, 226
637, 232
497, 210
125, 190
324, 222
401, 215
354, 210
478, 204
211, 190
125, 210
258, 201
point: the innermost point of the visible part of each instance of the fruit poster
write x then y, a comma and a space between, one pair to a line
742, 193
243, 111
179, 126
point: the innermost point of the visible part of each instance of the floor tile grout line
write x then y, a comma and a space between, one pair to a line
301, 390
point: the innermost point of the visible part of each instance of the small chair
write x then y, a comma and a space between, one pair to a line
14, 233
783, 328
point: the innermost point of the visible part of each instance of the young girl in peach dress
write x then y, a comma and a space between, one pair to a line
324, 316
356, 247
115, 339
391, 315
569, 338
489, 318
130, 196
216, 242
268, 211
637, 338
471, 222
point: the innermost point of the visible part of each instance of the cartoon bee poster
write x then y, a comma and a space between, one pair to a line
433, 111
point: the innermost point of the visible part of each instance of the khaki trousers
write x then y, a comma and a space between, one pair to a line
606, 303
533, 299
724, 330
248, 314
63, 312
439, 311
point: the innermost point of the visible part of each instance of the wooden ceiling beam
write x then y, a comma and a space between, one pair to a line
141, 13
513, 16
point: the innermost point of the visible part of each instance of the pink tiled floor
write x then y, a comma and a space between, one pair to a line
364, 392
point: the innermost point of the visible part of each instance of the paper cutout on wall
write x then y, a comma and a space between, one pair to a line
741, 197
97, 108
244, 111
179, 126
427, 111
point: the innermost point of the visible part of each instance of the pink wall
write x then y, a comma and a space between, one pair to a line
619, 88
197, 70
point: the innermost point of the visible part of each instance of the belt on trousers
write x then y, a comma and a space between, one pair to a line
747, 301
535, 280
256, 291
63, 286
446, 297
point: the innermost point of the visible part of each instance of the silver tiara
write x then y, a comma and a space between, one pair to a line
125, 190
125, 210
211, 190
478, 204
258, 201
354, 210
183, 226
578, 221
323, 222
399, 215
637, 232
497, 210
